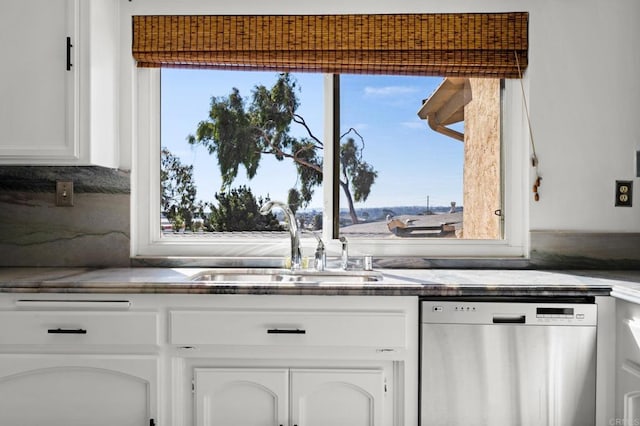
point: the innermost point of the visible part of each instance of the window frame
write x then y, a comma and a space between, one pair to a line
139, 127
147, 239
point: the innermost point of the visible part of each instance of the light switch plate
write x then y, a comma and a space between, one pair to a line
64, 193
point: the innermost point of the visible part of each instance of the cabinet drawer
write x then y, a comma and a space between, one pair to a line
290, 328
84, 328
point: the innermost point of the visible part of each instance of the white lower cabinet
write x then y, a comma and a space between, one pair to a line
241, 396
629, 393
72, 390
78, 361
288, 397
337, 397
207, 360
627, 364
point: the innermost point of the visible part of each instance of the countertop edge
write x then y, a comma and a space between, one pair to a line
421, 283
628, 293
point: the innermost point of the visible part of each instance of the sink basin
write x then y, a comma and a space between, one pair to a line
263, 275
249, 274
331, 276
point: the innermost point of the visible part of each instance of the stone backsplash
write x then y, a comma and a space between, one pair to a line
95, 232
584, 250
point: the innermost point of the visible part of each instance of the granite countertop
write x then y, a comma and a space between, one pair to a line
397, 282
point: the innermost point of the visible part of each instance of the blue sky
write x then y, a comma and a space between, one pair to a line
412, 161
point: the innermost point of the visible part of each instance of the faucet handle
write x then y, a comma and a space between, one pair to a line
320, 255
345, 253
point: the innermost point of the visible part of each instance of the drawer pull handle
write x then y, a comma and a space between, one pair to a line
67, 331
286, 331
69, 46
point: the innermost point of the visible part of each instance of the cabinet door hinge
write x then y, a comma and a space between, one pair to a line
193, 386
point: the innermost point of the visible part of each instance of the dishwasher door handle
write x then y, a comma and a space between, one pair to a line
509, 319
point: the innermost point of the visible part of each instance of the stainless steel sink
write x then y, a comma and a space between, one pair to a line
241, 274
264, 275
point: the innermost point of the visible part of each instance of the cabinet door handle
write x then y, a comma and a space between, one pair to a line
66, 331
69, 46
286, 331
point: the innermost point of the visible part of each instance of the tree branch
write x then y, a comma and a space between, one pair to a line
306, 147
301, 121
276, 150
351, 129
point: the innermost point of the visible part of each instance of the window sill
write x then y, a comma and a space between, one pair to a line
390, 262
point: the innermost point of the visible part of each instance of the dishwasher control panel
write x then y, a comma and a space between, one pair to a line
566, 313
453, 312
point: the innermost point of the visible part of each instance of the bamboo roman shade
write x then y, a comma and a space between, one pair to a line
465, 44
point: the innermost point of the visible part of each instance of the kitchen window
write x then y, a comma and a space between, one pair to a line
505, 239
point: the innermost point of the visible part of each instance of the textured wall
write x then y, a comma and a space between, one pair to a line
482, 160
35, 232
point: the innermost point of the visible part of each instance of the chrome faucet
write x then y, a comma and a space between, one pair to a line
296, 256
345, 254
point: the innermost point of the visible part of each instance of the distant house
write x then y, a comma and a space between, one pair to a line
476, 101
165, 224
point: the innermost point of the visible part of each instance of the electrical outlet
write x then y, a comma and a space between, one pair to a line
624, 191
64, 193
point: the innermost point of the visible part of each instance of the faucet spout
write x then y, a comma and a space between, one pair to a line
294, 232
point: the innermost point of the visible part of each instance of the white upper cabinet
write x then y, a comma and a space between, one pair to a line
38, 91
57, 82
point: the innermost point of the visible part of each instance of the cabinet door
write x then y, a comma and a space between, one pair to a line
76, 391
241, 396
37, 92
628, 363
629, 393
336, 397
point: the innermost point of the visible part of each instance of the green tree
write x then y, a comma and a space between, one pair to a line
294, 200
178, 190
239, 210
240, 135
356, 174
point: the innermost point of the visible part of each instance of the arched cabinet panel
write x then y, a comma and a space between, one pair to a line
76, 391
262, 396
337, 397
241, 396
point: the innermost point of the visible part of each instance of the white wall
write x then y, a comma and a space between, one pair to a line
583, 86
585, 106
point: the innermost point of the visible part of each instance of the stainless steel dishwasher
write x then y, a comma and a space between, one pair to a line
507, 364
